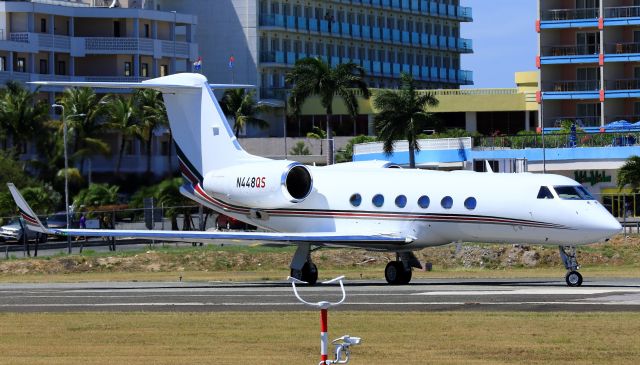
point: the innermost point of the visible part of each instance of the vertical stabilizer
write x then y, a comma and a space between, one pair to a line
202, 134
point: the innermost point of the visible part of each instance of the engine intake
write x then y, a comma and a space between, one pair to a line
269, 184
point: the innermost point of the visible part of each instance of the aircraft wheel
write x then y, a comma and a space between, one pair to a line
573, 278
396, 274
309, 273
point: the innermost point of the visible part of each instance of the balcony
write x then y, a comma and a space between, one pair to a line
571, 89
623, 88
571, 85
364, 32
622, 12
569, 18
425, 7
581, 121
375, 68
34, 42
564, 54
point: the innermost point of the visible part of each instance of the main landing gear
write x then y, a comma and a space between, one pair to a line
302, 268
568, 256
398, 272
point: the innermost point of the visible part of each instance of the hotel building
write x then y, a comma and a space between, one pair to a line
385, 37
589, 61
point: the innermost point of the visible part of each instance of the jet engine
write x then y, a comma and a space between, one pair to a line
263, 185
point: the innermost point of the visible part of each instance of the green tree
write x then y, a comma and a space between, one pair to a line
11, 171
175, 203
300, 149
21, 115
313, 76
346, 154
122, 116
153, 115
319, 134
84, 115
243, 108
402, 115
96, 195
629, 174
42, 199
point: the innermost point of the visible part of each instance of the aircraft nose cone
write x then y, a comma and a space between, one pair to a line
609, 226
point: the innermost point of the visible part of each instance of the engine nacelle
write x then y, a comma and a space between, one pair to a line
263, 185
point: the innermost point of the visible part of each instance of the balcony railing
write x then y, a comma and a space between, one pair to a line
423, 6
622, 48
376, 68
570, 50
623, 84
622, 12
559, 140
570, 14
571, 85
343, 29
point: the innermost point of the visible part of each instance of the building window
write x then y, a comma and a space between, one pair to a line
62, 68
423, 202
20, 64
43, 25
446, 202
401, 201
470, 203
144, 70
164, 70
127, 68
116, 28
636, 109
43, 66
3, 63
355, 200
147, 31
378, 200
165, 148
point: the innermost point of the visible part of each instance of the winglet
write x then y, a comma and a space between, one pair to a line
26, 212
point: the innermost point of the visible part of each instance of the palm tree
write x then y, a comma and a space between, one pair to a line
319, 134
21, 115
242, 107
401, 115
153, 115
122, 117
629, 174
84, 114
313, 76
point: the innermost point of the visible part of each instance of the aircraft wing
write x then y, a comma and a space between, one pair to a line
331, 238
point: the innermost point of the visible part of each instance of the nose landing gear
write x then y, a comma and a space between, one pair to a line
568, 256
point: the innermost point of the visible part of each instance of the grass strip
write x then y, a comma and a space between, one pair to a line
292, 338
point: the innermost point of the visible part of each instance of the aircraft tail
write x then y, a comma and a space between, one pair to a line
30, 218
203, 137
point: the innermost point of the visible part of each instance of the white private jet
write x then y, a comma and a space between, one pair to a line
358, 204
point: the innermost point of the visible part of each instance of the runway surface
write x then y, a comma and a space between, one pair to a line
425, 295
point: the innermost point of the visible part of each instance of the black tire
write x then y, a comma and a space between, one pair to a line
395, 273
573, 278
310, 273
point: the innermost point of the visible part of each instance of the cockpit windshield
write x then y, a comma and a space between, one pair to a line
573, 193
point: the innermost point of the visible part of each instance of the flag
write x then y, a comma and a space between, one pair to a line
231, 61
198, 64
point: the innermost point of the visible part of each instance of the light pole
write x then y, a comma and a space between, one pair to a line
66, 166
175, 26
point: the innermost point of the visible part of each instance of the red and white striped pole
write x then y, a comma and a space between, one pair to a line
324, 337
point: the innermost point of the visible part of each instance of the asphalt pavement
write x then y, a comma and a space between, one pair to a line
421, 295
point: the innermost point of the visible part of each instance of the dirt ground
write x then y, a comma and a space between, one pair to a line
620, 251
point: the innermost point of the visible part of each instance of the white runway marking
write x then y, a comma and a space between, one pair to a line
534, 291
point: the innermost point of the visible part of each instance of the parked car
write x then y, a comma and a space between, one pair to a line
59, 220
226, 222
13, 231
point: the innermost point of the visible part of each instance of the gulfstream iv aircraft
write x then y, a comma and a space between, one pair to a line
360, 204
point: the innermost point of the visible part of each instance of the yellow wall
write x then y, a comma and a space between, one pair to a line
521, 98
